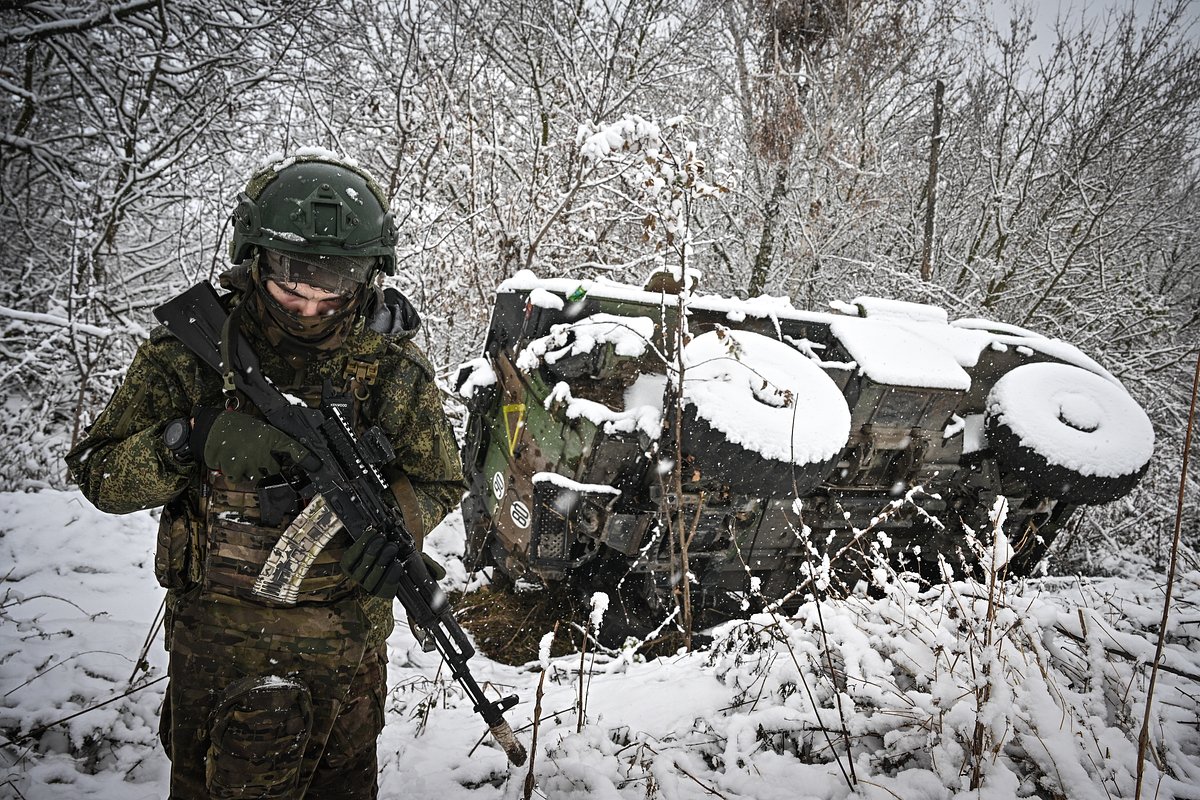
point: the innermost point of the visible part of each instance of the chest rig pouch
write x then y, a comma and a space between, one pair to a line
244, 521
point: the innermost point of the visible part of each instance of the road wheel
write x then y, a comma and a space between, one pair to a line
1068, 433
759, 415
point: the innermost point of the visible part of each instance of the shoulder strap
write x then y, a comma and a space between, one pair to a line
406, 497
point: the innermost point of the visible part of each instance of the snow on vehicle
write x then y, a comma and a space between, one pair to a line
806, 439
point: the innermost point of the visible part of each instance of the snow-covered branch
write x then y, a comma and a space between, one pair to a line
60, 322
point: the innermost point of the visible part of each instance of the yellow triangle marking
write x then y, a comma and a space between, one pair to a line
514, 421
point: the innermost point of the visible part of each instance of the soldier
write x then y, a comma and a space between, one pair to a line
268, 700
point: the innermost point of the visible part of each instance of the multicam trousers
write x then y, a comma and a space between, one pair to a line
272, 703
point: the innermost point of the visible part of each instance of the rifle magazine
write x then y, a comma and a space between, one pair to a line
294, 553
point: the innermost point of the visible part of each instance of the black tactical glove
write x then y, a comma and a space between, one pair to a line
371, 560
242, 447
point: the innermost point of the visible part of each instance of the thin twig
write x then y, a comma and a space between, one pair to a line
43, 672
1144, 736
141, 662
827, 651
537, 718
711, 790
39, 730
783, 637
1125, 654
582, 696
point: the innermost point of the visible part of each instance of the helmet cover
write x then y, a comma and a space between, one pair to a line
323, 210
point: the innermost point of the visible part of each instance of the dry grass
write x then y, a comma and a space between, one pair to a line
508, 626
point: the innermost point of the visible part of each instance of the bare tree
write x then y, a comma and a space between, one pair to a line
114, 124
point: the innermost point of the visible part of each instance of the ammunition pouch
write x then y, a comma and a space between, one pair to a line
257, 736
173, 556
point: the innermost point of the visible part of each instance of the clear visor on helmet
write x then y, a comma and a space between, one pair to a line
342, 275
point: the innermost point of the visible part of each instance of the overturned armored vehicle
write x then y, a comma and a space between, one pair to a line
809, 445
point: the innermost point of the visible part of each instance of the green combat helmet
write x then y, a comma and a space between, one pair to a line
315, 204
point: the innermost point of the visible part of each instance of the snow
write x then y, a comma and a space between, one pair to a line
629, 337
481, 375
646, 391
278, 160
1001, 551
812, 350
645, 418
883, 308
544, 646
971, 427
978, 324
287, 236
629, 133
599, 607
1074, 419
55, 320
955, 426
543, 299
563, 482
1057, 689
961, 341
974, 438
765, 396
891, 354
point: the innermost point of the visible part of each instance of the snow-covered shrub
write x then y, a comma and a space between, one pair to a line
1016, 696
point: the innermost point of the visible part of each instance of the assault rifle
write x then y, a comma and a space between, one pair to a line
344, 477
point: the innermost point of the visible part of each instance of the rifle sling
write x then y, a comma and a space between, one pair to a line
410, 507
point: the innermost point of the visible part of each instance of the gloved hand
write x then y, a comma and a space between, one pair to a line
242, 447
371, 560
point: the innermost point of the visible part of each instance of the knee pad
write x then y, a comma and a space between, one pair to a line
258, 733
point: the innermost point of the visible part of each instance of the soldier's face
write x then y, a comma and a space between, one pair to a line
306, 300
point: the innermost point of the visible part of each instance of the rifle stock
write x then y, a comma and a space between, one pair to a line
344, 472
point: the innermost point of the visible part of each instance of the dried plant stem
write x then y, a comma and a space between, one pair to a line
39, 730
1144, 736
537, 720
1125, 654
837, 694
141, 663
582, 693
708, 789
781, 635
677, 474
826, 650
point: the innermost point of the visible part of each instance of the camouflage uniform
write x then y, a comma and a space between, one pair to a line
267, 700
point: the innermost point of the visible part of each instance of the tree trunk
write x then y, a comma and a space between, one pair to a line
935, 147
766, 244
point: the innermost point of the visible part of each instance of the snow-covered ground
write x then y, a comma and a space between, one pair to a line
1046, 681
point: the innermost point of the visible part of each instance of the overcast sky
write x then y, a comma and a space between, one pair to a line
1075, 13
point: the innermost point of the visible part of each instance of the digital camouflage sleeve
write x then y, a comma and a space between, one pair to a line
122, 464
